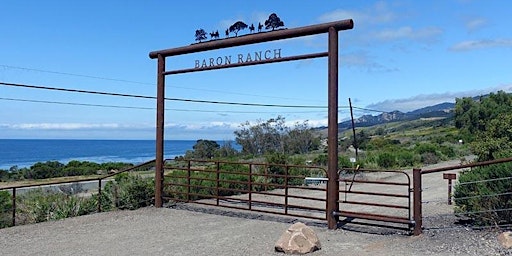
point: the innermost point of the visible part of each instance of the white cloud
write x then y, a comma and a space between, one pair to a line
362, 59
60, 126
201, 126
311, 123
378, 13
424, 100
375, 25
475, 24
481, 44
428, 34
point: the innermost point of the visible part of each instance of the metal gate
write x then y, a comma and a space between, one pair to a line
376, 197
259, 187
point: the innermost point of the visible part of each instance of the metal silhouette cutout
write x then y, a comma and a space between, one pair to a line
273, 22
200, 35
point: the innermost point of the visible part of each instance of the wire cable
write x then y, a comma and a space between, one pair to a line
149, 108
144, 83
153, 97
77, 75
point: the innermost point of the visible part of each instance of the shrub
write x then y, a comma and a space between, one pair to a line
406, 158
38, 206
479, 196
386, 160
344, 162
429, 158
5, 209
321, 160
130, 191
423, 148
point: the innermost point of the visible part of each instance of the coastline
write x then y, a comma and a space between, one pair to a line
24, 153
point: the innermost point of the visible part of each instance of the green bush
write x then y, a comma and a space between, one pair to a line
386, 160
344, 162
406, 158
479, 196
5, 209
321, 160
38, 206
130, 191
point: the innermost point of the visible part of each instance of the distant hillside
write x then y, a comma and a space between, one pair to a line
442, 110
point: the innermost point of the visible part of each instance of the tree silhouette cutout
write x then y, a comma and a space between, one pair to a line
200, 35
273, 22
239, 25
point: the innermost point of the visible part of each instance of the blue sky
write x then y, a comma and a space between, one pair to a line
401, 55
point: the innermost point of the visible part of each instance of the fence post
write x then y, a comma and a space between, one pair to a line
418, 218
217, 178
189, 190
286, 190
250, 186
13, 207
99, 195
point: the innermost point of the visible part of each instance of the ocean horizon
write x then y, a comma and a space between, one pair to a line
26, 152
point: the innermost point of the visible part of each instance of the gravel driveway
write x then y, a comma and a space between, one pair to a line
165, 231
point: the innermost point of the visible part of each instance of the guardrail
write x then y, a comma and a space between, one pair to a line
15, 188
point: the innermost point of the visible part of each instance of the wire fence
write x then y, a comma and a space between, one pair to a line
481, 196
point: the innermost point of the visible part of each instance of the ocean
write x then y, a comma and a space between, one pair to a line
26, 152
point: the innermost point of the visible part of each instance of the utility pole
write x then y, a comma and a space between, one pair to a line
353, 127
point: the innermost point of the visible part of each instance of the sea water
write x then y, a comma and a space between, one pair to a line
26, 152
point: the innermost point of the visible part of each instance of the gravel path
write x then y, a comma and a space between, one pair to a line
164, 231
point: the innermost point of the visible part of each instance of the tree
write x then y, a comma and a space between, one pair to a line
235, 28
226, 150
263, 137
496, 141
200, 35
273, 136
204, 149
486, 124
273, 22
45, 170
300, 139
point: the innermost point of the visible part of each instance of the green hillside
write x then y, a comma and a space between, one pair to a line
403, 144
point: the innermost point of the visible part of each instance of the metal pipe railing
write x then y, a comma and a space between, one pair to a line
14, 188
